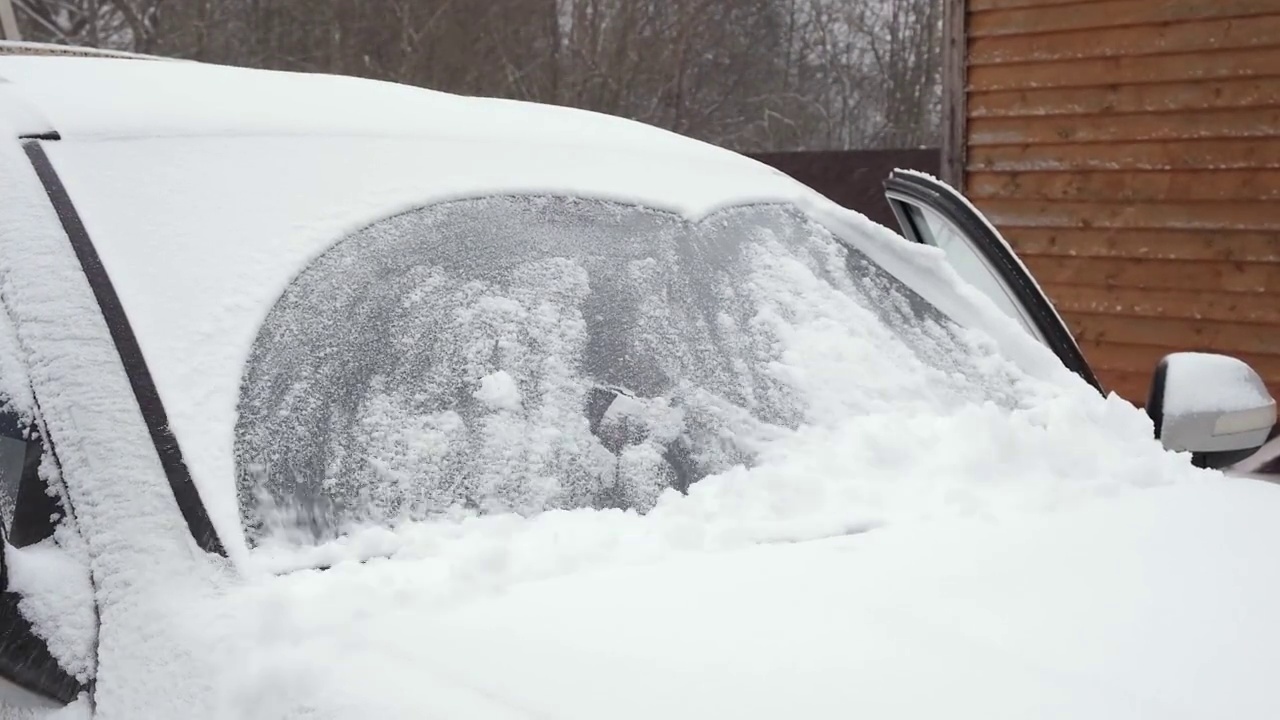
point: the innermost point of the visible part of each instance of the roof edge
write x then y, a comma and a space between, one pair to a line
20, 47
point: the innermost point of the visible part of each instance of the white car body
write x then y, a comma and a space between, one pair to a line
1049, 561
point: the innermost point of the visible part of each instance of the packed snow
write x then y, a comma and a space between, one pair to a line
951, 524
1204, 382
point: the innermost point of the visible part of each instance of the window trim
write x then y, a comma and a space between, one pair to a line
185, 492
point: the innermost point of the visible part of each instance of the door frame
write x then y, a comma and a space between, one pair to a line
911, 188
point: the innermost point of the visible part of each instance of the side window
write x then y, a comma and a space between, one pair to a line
933, 213
30, 510
969, 263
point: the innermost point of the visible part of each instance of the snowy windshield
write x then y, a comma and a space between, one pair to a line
525, 353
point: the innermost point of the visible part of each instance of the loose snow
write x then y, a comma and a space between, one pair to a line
498, 391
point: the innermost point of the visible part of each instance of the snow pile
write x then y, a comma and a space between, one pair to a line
900, 468
57, 597
1158, 604
722, 601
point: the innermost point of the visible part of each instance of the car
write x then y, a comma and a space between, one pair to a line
326, 397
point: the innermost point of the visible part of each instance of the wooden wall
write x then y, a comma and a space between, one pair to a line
1130, 152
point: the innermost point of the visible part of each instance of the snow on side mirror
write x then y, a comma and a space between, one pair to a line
1214, 406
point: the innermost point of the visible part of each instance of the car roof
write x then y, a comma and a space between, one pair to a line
131, 98
19, 47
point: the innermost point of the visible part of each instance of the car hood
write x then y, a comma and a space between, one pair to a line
1158, 602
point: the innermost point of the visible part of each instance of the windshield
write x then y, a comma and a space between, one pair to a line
519, 354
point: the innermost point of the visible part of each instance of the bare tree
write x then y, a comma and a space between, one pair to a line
115, 24
748, 74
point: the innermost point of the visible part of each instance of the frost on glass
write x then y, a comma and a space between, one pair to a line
517, 354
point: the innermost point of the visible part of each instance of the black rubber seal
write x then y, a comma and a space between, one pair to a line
135, 366
903, 187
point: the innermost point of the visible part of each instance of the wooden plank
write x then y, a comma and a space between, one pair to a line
1173, 215
955, 115
1186, 37
1150, 244
1209, 125
1135, 358
1185, 304
1129, 186
1106, 99
1134, 386
976, 5
1130, 386
1212, 336
1260, 282
1051, 18
1164, 155
1252, 62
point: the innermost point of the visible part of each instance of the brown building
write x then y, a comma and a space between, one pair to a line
1129, 150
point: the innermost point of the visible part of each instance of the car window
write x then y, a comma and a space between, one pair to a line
971, 266
517, 354
13, 451
934, 213
27, 510
34, 611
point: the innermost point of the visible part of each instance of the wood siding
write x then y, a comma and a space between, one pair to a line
1130, 152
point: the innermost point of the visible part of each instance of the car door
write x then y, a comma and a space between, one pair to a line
932, 213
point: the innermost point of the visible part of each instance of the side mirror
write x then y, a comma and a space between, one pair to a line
1214, 406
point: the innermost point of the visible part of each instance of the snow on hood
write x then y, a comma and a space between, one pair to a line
1154, 604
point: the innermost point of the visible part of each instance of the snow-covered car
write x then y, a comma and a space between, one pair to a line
328, 398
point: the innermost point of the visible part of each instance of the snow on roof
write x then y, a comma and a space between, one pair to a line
100, 99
